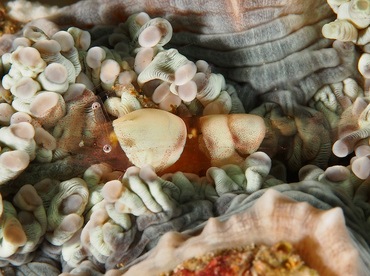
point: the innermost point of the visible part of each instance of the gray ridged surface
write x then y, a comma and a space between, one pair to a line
270, 46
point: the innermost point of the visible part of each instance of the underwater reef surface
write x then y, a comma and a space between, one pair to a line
136, 135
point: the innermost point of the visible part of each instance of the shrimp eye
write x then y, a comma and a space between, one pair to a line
95, 105
107, 148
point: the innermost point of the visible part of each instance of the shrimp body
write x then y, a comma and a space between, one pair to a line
169, 143
165, 141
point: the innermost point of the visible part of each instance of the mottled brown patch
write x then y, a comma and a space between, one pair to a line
128, 142
7, 24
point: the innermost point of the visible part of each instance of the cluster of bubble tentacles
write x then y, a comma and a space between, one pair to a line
351, 26
105, 219
44, 76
